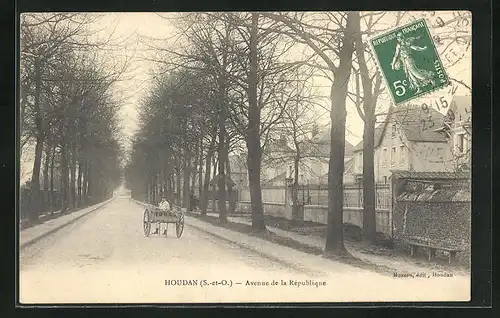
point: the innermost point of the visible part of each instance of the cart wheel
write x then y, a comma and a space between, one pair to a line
179, 227
146, 223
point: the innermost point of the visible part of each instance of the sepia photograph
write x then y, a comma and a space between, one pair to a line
244, 157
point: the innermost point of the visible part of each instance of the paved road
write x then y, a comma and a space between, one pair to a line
105, 258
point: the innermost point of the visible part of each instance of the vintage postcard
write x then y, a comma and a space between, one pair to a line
245, 157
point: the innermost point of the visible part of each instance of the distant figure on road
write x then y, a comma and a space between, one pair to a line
165, 207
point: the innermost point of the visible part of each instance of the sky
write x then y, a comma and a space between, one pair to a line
133, 26
129, 28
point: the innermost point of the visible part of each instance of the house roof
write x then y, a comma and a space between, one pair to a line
431, 175
434, 186
378, 138
440, 195
348, 164
323, 136
409, 121
317, 148
277, 146
280, 177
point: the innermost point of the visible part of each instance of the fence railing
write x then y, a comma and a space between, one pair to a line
315, 195
353, 195
318, 195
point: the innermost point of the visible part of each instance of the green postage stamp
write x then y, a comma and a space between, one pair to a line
409, 61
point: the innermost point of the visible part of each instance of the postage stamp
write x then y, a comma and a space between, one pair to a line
409, 62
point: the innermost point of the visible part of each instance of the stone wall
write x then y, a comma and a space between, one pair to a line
271, 209
318, 214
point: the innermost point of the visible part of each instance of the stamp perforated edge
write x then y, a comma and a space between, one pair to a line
379, 67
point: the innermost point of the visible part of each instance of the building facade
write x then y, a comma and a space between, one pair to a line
407, 141
459, 122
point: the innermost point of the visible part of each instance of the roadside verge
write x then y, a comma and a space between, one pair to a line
308, 263
33, 234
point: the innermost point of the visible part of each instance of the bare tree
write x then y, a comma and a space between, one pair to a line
370, 94
46, 39
331, 50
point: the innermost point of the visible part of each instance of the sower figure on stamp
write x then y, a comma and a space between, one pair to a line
417, 77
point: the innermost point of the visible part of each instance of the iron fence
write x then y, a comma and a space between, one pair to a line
353, 195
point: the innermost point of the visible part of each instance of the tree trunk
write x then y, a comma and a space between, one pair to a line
369, 219
64, 179
160, 184
88, 182
195, 172
79, 183
369, 103
295, 188
206, 183
84, 182
200, 170
178, 181
40, 136
72, 182
46, 164
51, 196
214, 186
46, 194
172, 186
253, 133
222, 161
338, 94
232, 202
166, 180
155, 188
185, 180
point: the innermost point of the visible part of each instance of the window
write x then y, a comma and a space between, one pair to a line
393, 130
393, 156
360, 160
466, 143
402, 154
385, 179
460, 143
384, 157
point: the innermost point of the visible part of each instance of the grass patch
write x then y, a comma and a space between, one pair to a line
352, 242
270, 236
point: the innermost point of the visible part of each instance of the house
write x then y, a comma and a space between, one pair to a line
278, 160
349, 173
457, 127
316, 158
277, 157
239, 170
407, 140
277, 181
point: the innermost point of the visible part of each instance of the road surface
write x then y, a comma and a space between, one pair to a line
105, 258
